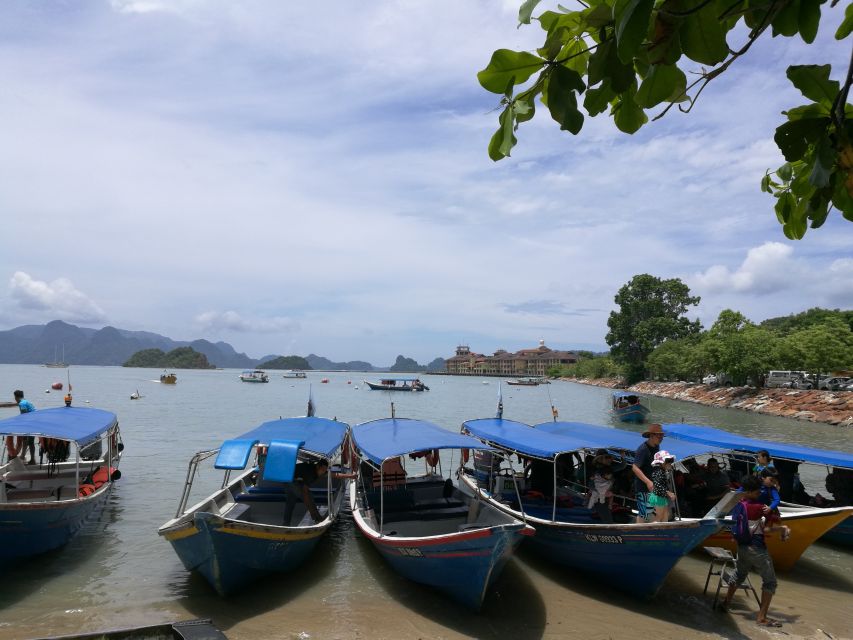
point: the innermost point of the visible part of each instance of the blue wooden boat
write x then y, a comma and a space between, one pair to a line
633, 557
628, 407
237, 534
43, 505
423, 526
839, 463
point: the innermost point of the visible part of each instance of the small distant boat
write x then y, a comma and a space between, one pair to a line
628, 407
529, 381
238, 534
295, 373
57, 364
398, 384
424, 526
254, 375
168, 378
135, 395
43, 505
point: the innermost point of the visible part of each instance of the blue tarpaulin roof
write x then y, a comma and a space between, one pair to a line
625, 394
379, 440
608, 438
522, 438
321, 435
723, 439
77, 424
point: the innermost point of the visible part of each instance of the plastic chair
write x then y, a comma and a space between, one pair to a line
722, 561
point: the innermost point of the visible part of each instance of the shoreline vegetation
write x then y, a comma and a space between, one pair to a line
809, 405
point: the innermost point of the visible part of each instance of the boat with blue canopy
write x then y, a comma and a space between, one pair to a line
787, 458
551, 494
628, 406
271, 514
44, 504
419, 521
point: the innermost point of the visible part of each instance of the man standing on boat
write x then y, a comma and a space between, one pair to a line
29, 444
304, 475
642, 469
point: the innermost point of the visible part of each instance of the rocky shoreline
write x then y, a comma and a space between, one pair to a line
829, 407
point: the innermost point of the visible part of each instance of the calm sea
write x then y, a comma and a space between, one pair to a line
119, 573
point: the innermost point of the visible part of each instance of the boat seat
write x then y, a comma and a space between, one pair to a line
279, 496
427, 514
237, 511
393, 474
438, 503
25, 495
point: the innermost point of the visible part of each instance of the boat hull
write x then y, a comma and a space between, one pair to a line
841, 534
635, 558
462, 565
230, 554
807, 525
635, 413
29, 529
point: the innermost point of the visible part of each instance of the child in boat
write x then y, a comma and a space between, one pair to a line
601, 495
769, 497
660, 496
763, 461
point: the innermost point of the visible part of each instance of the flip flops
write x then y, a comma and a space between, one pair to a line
769, 622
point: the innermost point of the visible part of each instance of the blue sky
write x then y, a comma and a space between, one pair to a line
295, 178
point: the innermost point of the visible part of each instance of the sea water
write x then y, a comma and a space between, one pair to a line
118, 572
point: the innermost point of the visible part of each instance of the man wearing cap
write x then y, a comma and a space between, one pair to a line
642, 469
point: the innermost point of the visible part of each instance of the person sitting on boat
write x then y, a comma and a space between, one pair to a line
304, 475
601, 494
642, 468
717, 483
762, 462
770, 498
28, 442
660, 496
839, 482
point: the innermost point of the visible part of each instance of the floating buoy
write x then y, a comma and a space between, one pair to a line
349, 381
324, 380
56, 385
47, 390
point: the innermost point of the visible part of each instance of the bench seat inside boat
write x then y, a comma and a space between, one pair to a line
280, 496
426, 514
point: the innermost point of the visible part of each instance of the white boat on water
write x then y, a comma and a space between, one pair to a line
57, 364
254, 375
295, 373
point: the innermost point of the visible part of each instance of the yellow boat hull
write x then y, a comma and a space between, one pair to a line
806, 524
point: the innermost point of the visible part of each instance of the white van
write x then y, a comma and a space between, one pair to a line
776, 379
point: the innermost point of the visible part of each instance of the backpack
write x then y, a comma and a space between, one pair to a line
741, 531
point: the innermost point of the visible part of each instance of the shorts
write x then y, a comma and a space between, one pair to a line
658, 501
757, 558
643, 504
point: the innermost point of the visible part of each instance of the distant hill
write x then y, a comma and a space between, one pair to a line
319, 362
38, 344
439, 364
285, 362
404, 364
180, 358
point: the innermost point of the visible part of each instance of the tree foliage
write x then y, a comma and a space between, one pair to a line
180, 358
651, 311
631, 56
589, 366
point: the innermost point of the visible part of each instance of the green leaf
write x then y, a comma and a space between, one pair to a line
818, 209
664, 82
795, 227
561, 99
793, 138
504, 139
597, 100
846, 25
785, 172
809, 19
787, 21
703, 38
632, 23
507, 68
627, 115
524, 106
841, 198
807, 111
813, 82
597, 16
526, 11
824, 159
604, 63
575, 56
784, 206
666, 45
555, 41
765, 183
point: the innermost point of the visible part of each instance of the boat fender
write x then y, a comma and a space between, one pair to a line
432, 457
465, 454
345, 453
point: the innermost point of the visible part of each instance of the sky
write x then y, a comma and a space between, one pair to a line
297, 178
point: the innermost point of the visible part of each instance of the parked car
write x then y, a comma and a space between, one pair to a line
801, 383
709, 379
848, 386
834, 384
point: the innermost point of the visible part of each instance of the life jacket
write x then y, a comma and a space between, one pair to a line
99, 477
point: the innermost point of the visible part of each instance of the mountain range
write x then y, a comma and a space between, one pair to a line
58, 340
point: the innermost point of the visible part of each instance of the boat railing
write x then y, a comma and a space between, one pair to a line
197, 459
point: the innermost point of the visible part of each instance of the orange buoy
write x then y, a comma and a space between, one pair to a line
56, 385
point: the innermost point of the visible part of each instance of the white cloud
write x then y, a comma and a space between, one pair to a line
231, 321
767, 269
59, 299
